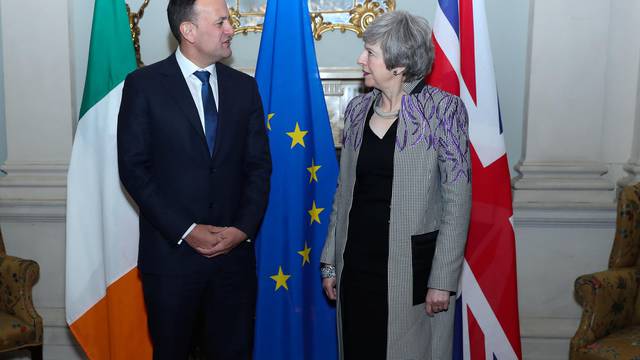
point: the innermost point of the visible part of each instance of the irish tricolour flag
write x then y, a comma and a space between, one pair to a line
104, 304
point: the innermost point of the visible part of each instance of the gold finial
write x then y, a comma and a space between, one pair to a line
134, 20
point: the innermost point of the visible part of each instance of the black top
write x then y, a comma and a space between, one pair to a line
367, 246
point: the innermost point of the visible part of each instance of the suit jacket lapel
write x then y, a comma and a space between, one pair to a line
179, 91
224, 105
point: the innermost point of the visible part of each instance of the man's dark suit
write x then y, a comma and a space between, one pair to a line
165, 166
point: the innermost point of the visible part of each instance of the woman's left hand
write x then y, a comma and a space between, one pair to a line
436, 301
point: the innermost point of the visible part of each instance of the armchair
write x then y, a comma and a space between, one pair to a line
20, 325
610, 324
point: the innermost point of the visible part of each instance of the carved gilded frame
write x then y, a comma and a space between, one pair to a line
326, 15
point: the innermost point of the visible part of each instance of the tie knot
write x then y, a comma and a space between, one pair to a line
202, 75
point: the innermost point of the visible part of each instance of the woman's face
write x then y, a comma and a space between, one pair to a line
374, 70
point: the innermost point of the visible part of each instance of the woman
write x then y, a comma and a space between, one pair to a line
399, 222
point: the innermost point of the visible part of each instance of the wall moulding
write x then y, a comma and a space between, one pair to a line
633, 171
29, 211
564, 215
563, 183
33, 192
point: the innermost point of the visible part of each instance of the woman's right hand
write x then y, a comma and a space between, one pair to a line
329, 286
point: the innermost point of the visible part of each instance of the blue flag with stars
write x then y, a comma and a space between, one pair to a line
294, 320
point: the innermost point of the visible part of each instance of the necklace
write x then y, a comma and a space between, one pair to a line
385, 114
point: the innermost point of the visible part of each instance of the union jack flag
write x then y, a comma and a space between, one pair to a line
486, 324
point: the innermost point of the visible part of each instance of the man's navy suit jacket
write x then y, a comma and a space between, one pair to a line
165, 165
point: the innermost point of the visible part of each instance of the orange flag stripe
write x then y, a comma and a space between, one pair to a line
116, 326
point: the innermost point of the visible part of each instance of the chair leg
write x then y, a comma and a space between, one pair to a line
36, 352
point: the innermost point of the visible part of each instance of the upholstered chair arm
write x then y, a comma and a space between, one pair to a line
626, 245
17, 277
607, 299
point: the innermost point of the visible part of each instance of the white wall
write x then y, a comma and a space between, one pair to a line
508, 27
36, 81
3, 135
622, 71
560, 85
38, 117
581, 104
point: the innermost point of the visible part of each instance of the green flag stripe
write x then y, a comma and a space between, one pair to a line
111, 54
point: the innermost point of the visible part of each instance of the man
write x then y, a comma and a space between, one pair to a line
193, 154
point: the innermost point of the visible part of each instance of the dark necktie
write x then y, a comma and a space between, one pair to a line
209, 107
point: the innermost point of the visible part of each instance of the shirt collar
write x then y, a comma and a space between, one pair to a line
188, 68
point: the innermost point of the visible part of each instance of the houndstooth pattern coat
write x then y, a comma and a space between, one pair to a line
430, 209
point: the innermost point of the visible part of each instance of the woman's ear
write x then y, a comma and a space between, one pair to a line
398, 70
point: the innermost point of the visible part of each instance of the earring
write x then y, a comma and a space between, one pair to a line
395, 72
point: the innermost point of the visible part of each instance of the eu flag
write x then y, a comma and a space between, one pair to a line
293, 318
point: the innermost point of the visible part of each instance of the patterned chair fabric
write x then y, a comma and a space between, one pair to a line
610, 323
20, 325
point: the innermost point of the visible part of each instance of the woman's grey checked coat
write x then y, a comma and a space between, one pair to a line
431, 200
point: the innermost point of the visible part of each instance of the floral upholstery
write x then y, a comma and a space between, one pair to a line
621, 345
626, 245
14, 332
610, 324
20, 324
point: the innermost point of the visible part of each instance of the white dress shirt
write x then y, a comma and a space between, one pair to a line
195, 85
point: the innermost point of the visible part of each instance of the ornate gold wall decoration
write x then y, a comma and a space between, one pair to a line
363, 14
239, 23
326, 15
134, 21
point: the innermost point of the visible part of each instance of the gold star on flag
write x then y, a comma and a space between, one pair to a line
269, 120
305, 254
314, 213
281, 279
297, 136
312, 171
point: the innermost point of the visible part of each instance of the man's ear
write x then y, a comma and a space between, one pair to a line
188, 30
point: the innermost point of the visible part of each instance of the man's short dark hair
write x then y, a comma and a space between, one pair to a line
179, 11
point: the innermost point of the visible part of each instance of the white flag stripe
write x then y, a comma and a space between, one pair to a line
448, 40
496, 341
466, 346
484, 133
105, 242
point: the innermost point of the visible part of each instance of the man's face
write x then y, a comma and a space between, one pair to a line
213, 31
